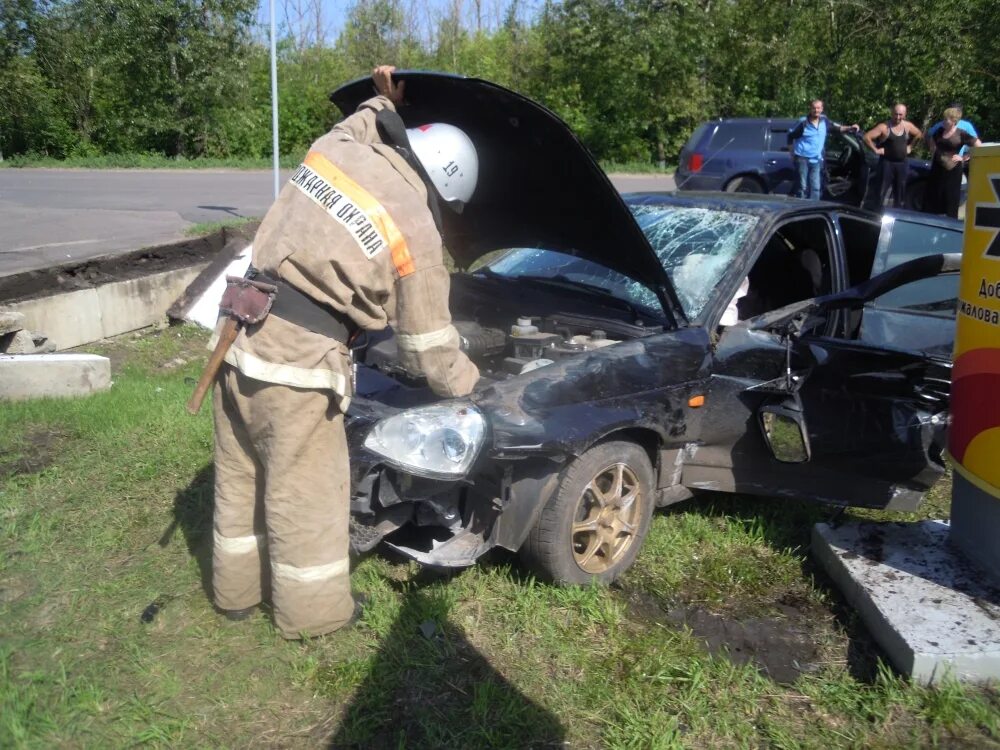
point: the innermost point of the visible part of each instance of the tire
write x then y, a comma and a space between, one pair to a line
576, 540
744, 184
916, 195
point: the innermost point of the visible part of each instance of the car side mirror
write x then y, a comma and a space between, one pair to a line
785, 432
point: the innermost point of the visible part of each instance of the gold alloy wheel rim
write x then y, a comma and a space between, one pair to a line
606, 520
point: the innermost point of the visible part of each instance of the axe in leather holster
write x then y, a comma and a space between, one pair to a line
245, 301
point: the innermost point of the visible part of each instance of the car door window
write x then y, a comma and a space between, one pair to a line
779, 138
917, 317
936, 296
795, 264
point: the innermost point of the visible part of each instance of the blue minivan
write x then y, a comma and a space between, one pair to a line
751, 155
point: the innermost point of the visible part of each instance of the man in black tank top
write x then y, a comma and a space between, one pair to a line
891, 140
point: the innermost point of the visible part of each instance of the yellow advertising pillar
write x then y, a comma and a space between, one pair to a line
974, 435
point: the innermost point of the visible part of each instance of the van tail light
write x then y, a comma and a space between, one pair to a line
695, 162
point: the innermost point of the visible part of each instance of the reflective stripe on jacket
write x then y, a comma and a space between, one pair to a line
352, 230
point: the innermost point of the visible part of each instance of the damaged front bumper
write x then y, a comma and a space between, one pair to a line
441, 523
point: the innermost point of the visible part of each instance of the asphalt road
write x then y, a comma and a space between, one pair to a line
55, 216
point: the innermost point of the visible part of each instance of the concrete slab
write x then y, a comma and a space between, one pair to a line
25, 376
137, 303
68, 319
931, 609
76, 318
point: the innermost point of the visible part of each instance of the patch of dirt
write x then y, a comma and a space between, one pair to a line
37, 450
784, 645
95, 272
128, 348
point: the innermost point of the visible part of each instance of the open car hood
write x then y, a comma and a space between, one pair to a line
538, 185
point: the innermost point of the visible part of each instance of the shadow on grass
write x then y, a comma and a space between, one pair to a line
428, 686
193, 516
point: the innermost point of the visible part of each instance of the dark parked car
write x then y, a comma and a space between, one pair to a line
751, 155
610, 383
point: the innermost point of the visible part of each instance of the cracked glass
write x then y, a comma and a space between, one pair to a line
695, 245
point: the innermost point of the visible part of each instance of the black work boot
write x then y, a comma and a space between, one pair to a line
238, 615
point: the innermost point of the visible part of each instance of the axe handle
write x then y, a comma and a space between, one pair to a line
226, 338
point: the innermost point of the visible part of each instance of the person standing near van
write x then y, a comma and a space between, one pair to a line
892, 141
944, 186
808, 140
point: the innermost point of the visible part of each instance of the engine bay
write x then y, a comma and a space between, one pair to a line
507, 333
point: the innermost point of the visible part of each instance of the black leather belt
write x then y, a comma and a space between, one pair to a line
299, 308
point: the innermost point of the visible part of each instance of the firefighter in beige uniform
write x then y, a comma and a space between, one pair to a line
352, 231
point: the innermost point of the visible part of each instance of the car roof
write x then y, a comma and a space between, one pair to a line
754, 203
757, 120
934, 220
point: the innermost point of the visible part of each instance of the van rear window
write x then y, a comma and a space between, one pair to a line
739, 135
696, 136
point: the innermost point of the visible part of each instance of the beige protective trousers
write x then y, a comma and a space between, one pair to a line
281, 504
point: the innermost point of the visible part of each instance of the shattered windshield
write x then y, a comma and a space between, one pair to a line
560, 268
695, 245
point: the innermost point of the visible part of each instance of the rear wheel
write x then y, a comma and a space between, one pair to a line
597, 519
744, 184
916, 195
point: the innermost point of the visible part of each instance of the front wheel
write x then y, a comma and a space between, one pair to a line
597, 519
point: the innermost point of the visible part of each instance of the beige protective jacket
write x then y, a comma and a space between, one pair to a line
352, 230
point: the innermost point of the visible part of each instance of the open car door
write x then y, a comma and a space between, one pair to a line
826, 418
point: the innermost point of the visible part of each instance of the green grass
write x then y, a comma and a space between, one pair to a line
105, 507
288, 161
203, 228
637, 167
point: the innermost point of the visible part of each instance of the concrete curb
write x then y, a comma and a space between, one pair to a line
80, 303
106, 297
80, 317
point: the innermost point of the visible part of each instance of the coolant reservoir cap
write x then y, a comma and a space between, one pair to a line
523, 321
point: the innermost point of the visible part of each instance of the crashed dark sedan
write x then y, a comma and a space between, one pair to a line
637, 349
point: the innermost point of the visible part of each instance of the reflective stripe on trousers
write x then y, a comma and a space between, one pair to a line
281, 477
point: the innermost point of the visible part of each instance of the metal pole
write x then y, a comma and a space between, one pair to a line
274, 101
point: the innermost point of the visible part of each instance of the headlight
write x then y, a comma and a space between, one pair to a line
438, 441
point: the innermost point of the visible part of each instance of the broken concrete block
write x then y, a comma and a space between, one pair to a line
21, 342
25, 342
10, 321
933, 611
26, 376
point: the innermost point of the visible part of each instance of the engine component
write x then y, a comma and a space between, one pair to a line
479, 341
523, 327
533, 345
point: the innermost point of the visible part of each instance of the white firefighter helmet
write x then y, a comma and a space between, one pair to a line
449, 157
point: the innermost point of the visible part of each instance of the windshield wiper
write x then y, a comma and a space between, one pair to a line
596, 289
562, 280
